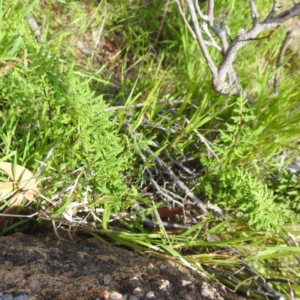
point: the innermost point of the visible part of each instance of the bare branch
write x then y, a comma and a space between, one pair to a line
225, 81
199, 12
222, 35
219, 30
254, 12
242, 40
274, 9
185, 20
213, 42
211, 5
284, 16
200, 39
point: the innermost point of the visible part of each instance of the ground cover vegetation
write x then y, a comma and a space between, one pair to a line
110, 105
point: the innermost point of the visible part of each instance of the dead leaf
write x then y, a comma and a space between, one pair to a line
23, 185
23, 177
6, 189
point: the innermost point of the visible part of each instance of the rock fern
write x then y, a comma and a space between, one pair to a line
44, 105
237, 183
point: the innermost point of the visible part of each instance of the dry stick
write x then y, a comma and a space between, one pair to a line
174, 197
242, 40
168, 226
185, 20
156, 185
178, 183
199, 12
183, 187
180, 165
205, 142
151, 179
279, 60
210, 12
199, 37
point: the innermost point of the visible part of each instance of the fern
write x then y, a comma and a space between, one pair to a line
43, 105
105, 152
234, 183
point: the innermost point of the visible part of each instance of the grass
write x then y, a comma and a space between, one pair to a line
116, 116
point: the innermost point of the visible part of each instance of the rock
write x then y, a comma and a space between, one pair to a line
44, 267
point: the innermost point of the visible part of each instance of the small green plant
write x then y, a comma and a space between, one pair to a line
286, 188
237, 185
46, 108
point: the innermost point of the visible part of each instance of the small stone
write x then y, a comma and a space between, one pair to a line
163, 267
185, 282
107, 279
164, 284
104, 294
138, 292
115, 296
150, 295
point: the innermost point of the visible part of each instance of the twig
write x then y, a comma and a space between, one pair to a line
289, 244
200, 39
182, 185
210, 12
176, 181
156, 185
180, 165
168, 226
274, 9
205, 142
199, 12
266, 36
19, 216
213, 42
254, 13
185, 20
151, 179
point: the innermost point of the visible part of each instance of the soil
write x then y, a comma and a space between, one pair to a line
45, 267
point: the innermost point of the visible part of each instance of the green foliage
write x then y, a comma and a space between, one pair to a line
43, 106
106, 153
50, 118
286, 188
234, 183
